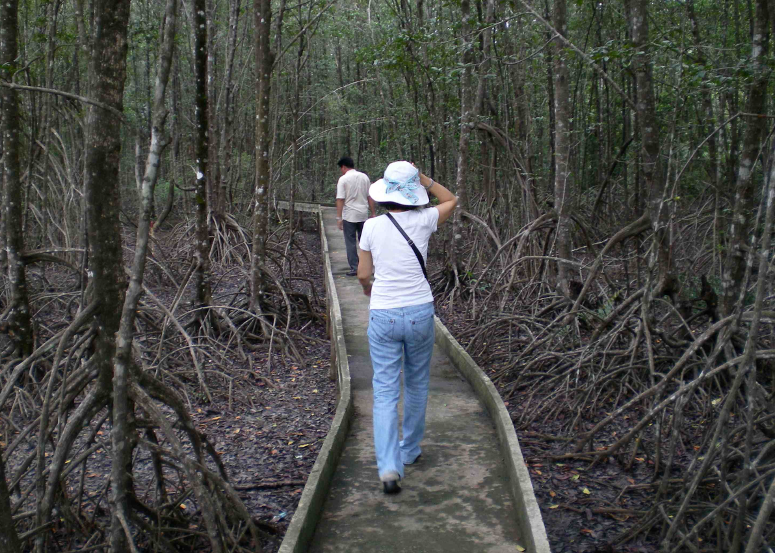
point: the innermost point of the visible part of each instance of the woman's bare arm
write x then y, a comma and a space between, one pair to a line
364, 272
447, 200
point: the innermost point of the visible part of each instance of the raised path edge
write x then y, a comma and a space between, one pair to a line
305, 519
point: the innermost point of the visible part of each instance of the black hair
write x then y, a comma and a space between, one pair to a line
346, 161
396, 206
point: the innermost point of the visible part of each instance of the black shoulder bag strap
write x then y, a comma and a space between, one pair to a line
412, 244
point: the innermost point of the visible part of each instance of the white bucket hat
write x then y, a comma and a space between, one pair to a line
400, 184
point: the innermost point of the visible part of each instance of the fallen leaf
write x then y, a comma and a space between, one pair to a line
303, 445
315, 390
290, 442
575, 477
552, 494
631, 481
519, 548
538, 472
216, 418
553, 506
639, 459
586, 490
182, 506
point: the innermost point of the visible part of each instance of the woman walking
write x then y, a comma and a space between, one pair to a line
401, 310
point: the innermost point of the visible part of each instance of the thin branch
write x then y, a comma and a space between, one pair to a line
587, 58
69, 95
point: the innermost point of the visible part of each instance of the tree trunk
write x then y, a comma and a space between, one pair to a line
216, 196
296, 165
264, 61
122, 408
563, 174
19, 323
103, 202
468, 106
227, 129
733, 283
550, 105
9, 540
650, 141
348, 140
202, 251
707, 95
51, 33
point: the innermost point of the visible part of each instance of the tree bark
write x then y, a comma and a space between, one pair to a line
216, 196
563, 174
103, 202
467, 106
19, 322
733, 283
551, 104
227, 129
707, 95
122, 407
650, 139
9, 540
264, 61
202, 250
296, 165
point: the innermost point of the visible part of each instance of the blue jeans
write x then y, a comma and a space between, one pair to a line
396, 335
352, 233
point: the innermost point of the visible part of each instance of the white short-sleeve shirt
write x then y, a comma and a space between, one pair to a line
353, 188
399, 280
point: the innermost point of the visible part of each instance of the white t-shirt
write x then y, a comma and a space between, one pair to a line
353, 187
399, 280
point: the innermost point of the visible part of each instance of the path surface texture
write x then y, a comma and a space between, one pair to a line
455, 499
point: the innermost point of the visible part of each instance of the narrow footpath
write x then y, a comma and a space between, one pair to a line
455, 499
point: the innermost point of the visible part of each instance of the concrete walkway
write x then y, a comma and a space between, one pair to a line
455, 499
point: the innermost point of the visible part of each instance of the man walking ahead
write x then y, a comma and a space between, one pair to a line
353, 208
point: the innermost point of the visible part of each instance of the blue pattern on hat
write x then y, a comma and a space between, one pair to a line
404, 187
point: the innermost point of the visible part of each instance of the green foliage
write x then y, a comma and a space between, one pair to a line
161, 190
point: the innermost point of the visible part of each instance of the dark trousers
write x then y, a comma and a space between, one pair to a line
352, 236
